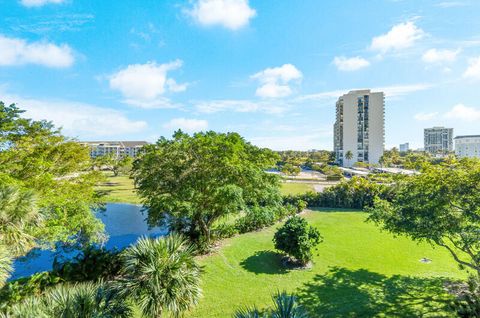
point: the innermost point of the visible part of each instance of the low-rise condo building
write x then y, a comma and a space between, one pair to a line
467, 146
114, 148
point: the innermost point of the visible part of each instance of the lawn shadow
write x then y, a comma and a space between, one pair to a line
265, 262
361, 293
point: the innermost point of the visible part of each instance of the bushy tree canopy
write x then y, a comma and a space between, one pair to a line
297, 239
439, 206
189, 182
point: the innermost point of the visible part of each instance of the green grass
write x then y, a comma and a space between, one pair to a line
358, 271
119, 189
295, 188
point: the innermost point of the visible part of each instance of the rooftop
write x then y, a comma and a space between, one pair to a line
467, 136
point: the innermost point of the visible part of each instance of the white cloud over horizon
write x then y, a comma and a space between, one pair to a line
39, 3
16, 51
231, 14
274, 82
350, 64
400, 36
78, 119
143, 85
187, 125
238, 106
473, 70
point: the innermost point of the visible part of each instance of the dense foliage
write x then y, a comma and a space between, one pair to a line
356, 193
440, 206
189, 182
297, 239
467, 304
46, 186
285, 306
161, 275
157, 275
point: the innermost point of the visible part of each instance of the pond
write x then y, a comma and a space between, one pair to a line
124, 224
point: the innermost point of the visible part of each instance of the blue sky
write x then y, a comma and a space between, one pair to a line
270, 70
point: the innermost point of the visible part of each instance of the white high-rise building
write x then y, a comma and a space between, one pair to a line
467, 146
359, 130
438, 140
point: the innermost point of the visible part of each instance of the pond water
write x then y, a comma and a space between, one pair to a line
124, 224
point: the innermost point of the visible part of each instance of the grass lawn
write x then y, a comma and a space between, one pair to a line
295, 188
358, 272
119, 189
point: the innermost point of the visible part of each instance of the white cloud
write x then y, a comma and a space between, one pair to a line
438, 56
39, 3
425, 116
451, 4
143, 85
78, 119
15, 51
274, 82
231, 14
187, 125
350, 64
239, 106
401, 36
465, 113
390, 92
473, 70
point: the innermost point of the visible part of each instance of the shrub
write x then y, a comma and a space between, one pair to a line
468, 303
224, 230
285, 306
297, 239
92, 264
301, 205
357, 193
256, 218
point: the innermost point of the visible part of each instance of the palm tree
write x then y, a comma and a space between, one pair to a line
74, 301
18, 219
349, 155
5, 265
161, 275
286, 306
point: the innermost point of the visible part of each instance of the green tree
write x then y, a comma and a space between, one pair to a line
285, 306
38, 161
290, 169
161, 275
349, 155
440, 206
189, 182
5, 265
297, 239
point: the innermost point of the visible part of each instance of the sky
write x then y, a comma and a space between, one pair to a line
269, 70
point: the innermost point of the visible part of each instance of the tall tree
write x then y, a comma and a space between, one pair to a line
189, 182
439, 206
46, 185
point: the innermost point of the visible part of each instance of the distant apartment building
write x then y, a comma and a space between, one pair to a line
467, 146
359, 129
438, 140
115, 148
404, 147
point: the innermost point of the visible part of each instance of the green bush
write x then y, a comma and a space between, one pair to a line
357, 193
224, 231
468, 304
297, 239
92, 264
256, 218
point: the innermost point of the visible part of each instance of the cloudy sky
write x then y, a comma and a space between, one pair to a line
270, 70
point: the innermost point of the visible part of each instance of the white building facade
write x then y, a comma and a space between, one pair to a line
438, 140
114, 148
467, 146
359, 129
